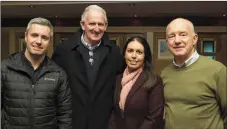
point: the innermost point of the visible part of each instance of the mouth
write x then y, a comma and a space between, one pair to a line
177, 48
96, 33
133, 62
36, 48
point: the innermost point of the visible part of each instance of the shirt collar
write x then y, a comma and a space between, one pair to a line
188, 62
87, 45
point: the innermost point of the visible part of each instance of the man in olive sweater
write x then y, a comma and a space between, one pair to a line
195, 86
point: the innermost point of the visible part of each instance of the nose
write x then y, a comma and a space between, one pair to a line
177, 39
39, 39
134, 55
96, 28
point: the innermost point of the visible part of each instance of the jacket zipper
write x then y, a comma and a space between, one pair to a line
33, 93
32, 102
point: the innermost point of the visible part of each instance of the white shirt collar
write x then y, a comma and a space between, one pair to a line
87, 45
188, 62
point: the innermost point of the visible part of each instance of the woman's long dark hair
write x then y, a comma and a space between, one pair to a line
148, 67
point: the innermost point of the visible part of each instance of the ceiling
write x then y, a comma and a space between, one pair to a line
73, 9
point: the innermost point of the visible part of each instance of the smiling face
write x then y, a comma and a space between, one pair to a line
181, 38
37, 39
94, 26
134, 55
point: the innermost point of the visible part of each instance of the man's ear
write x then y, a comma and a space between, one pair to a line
195, 39
82, 25
106, 25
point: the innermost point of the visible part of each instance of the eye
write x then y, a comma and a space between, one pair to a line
129, 50
92, 24
183, 34
45, 38
140, 52
34, 35
101, 24
170, 36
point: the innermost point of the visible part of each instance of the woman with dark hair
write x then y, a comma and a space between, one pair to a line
138, 98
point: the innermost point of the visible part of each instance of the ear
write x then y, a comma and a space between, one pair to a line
106, 25
82, 25
195, 39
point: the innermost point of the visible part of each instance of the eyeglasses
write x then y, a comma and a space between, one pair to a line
91, 60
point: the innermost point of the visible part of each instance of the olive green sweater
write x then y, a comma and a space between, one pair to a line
196, 96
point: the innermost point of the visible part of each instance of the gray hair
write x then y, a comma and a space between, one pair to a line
84, 15
41, 21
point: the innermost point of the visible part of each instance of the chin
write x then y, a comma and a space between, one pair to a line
179, 53
133, 67
96, 41
37, 53
96, 38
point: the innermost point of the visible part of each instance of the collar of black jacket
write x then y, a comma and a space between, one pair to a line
29, 64
77, 37
16, 62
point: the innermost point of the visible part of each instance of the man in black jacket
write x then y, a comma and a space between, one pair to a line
35, 91
92, 63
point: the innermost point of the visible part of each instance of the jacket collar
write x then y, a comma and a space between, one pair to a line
16, 62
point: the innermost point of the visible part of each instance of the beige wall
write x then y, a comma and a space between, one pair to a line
10, 42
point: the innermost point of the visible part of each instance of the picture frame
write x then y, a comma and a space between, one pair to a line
22, 44
163, 51
208, 48
115, 40
61, 37
208, 41
118, 40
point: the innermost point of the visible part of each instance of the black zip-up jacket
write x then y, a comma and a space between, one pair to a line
43, 104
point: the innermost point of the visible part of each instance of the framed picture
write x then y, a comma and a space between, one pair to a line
208, 45
118, 40
61, 38
163, 52
115, 40
208, 48
22, 44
